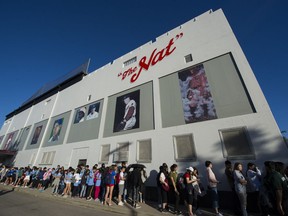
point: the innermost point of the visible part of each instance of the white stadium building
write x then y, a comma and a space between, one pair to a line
187, 97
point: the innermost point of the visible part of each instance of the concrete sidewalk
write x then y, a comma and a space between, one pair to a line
148, 208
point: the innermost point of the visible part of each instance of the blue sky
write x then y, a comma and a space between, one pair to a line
42, 40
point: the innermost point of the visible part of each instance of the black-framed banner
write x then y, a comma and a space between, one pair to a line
88, 127
130, 111
57, 129
37, 134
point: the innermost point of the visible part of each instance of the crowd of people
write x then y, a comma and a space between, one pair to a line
102, 184
126, 184
267, 190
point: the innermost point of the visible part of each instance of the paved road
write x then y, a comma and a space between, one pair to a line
13, 203
27, 202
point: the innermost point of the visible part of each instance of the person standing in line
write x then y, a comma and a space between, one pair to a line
189, 189
230, 179
56, 181
142, 191
104, 172
163, 179
97, 180
68, 180
159, 188
174, 190
277, 186
254, 183
76, 184
90, 183
212, 185
121, 185
84, 177
240, 187
110, 183
196, 191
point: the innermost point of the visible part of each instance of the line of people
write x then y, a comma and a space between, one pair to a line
266, 189
173, 187
103, 184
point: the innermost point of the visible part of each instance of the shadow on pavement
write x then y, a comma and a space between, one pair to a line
3, 192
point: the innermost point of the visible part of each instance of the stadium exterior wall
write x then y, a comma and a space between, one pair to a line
151, 77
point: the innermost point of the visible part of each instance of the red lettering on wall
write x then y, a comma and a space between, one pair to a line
145, 64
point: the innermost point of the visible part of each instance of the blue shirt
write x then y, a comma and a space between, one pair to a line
98, 179
90, 179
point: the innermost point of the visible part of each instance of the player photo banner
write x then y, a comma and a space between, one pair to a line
197, 100
9, 141
80, 115
36, 134
127, 112
56, 130
93, 111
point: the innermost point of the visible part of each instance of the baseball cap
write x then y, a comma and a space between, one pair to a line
190, 169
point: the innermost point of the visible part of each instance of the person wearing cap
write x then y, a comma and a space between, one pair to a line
189, 189
212, 185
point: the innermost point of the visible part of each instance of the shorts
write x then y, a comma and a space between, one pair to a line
27, 178
121, 189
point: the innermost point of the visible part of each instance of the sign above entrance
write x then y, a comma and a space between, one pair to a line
145, 63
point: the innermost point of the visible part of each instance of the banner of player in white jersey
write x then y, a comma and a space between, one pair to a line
127, 112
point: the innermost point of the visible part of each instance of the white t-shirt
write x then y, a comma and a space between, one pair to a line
121, 182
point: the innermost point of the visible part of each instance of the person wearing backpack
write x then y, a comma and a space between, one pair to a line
110, 183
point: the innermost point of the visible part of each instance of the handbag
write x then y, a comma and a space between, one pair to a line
166, 186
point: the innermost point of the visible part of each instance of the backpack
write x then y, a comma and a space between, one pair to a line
181, 182
117, 178
108, 178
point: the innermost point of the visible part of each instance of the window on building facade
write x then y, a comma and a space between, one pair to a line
48, 157
121, 153
184, 148
47, 102
130, 61
105, 152
236, 144
32, 159
144, 151
188, 58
